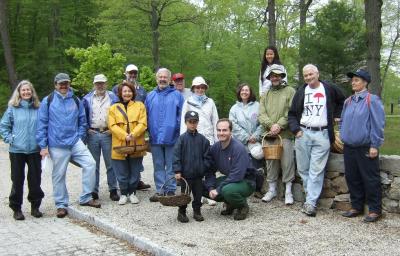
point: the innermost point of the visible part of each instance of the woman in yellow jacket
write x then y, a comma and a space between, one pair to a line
127, 121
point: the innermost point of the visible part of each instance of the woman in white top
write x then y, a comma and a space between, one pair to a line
270, 57
199, 102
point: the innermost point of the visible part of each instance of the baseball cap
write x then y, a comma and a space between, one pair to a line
191, 115
277, 69
99, 78
131, 67
360, 73
61, 77
178, 76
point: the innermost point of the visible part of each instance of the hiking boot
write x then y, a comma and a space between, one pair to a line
141, 185
289, 199
309, 210
182, 217
35, 212
95, 196
197, 215
241, 213
61, 212
154, 198
133, 199
228, 210
269, 196
91, 203
18, 215
114, 195
123, 200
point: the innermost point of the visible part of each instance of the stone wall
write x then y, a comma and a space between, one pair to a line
335, 193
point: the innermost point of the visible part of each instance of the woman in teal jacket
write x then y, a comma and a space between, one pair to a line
18, 129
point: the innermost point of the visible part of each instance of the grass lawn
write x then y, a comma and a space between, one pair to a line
391, 146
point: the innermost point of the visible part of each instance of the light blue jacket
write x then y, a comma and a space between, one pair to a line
245, 121
164, 108
18, 128
62, 123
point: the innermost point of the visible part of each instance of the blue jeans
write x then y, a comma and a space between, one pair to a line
101, 143
312, 152
61, 157
127, 172
162, 163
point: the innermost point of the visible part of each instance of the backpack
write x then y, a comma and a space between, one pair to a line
51, 96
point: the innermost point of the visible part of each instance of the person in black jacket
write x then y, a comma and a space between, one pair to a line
191, 160
315, 107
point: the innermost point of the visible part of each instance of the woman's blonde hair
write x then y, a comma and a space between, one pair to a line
15, 99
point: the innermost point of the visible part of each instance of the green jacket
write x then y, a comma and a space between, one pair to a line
274, 108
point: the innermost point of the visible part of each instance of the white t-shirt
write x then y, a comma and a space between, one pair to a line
314, 113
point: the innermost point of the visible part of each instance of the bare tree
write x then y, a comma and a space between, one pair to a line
304, 6
5, 39
156, 11
271, 23
373, 11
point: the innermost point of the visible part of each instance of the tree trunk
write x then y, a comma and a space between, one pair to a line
5, 39
155, 22
304, 5
373, 10
271, 23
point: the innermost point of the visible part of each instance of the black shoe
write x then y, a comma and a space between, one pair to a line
114, 195
154, 198
95, 196
35, 212
18, 215
170, 193
241, 213
351, 213
182, 217
61, 212
372, 217
142, 186
197, 215
228, 210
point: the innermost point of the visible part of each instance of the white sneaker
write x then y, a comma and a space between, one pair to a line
269, 196
208, 201
133, 199
289, 198
123, 200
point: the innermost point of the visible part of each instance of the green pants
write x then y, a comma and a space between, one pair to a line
234, 194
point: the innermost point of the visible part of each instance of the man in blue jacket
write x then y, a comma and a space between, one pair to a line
164, 107
229, 156
61, 129
97, 103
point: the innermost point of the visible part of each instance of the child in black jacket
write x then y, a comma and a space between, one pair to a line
191, 160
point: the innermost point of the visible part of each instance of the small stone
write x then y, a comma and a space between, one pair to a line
390, 205
394, 191
328, 193
331, 175
390, 164
298, 192
339, 185
385, 178
342, 206
325, 203
335, 163
342, 198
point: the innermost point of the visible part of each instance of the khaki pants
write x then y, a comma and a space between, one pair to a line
286, 162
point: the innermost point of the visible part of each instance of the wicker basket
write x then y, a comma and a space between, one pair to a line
176, 200
272, 147
337, 145
131, 149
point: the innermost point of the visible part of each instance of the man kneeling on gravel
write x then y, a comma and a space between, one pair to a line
231, 159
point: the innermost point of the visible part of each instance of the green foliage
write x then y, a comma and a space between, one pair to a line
147, 78
392, 137
5, 93
96, 59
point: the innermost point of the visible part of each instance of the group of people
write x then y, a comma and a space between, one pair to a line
188, 140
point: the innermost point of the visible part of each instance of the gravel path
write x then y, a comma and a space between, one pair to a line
270, 228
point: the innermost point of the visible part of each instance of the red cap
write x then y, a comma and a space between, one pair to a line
178, 76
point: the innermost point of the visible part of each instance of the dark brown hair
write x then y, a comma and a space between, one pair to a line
252, 97
130, 86
226, 120
264, 62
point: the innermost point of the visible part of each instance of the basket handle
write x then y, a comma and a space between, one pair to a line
186, 188
268, 135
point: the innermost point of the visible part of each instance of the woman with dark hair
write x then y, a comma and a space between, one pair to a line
127, 121
18, 128
246, 128
362, 125
270, 57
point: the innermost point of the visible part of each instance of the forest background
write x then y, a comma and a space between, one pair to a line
221, 40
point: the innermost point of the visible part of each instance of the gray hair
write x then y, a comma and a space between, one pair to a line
15, 99
311, 66
164, 70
